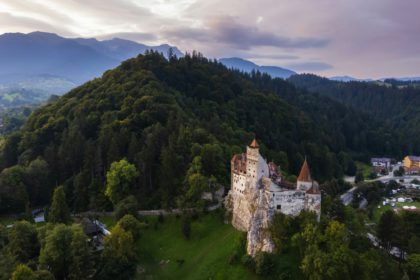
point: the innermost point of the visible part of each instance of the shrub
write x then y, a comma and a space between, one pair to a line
264, 263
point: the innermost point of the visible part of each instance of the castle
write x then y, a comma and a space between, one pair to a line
258, 191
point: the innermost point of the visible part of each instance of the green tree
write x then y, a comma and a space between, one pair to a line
326, 256
66, 253
38, 181
413, 265
23, 241
127, 206
59, 211
119, 256
130, 224
44, 275
23, 272
264, 264
80, 267
13, 195
120, 180
359, 177
280, 230
387, 229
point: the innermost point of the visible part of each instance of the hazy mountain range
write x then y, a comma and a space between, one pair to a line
35, 65
77, 60
248, 66
352, 79
38, 64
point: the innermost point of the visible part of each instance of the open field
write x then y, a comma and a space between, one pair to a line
205, 255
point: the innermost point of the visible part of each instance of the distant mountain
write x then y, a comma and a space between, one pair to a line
248, 66
349, 79
42, 63
77, 60
403, 79
343, 78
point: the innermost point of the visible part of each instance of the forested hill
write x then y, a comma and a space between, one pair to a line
176, 120
394, 102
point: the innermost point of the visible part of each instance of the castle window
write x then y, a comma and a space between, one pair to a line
278, 207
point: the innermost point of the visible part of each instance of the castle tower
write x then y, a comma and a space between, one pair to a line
304, 181
313, 200
252, 162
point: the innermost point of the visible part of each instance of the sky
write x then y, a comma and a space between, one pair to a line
359, 38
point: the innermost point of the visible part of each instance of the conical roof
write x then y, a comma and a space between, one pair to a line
305, 175
254, 144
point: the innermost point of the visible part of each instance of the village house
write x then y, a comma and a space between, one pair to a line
411, 164
380, 164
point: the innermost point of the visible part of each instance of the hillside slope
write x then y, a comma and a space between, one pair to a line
170, 116
396, 105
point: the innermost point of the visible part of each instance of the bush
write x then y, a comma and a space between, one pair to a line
264, 263
248, 262
132, 225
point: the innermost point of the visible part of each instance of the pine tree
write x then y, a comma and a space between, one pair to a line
59, 211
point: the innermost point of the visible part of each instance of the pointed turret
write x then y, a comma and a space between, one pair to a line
305, 175
254, 144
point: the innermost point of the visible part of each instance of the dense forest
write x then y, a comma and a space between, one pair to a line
169, 117
156, 133
396, 103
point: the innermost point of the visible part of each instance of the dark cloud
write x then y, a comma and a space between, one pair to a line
310, 66
228, 31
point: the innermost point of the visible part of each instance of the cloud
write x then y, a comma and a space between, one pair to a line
27, 24
310, 66
226, 30
362, 38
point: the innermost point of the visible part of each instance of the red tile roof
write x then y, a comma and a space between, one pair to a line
304, 174
254, 144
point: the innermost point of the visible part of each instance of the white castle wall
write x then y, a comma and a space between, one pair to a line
291, 202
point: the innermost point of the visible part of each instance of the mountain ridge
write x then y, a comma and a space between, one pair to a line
249, 66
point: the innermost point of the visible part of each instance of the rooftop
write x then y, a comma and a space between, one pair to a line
254, 144
305, 175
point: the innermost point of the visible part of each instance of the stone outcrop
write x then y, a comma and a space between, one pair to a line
258, 237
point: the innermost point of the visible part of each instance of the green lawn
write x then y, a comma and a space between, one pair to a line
205, 255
